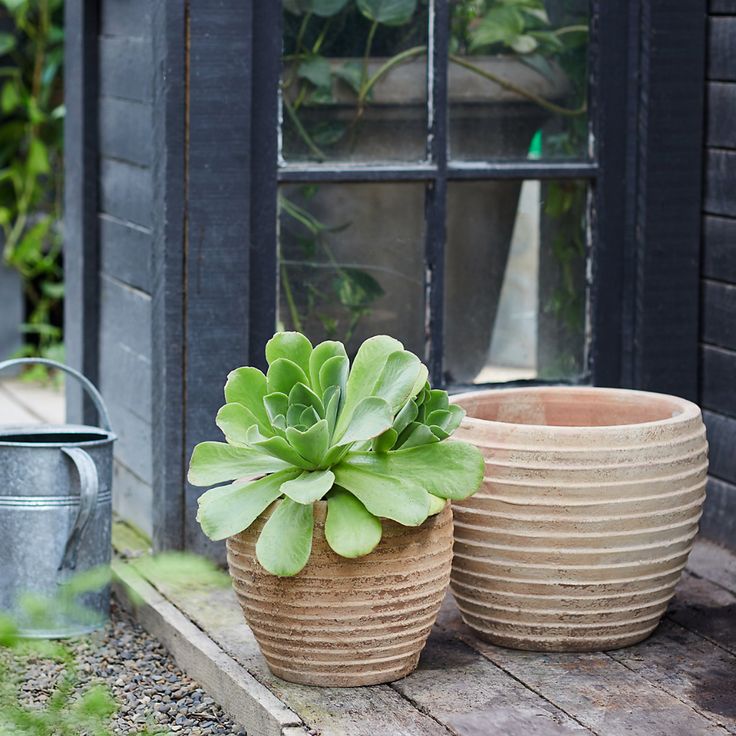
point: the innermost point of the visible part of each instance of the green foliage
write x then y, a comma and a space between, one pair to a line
31, 171
369, 439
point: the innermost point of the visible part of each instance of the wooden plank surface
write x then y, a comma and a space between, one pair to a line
725, 7
676, 683
721, 432
126, 192
722, 49
473, 697
126, 252
720, 164
719, 513
719, 248
683, 664
719, 313
712, 562
366, 711
125, 130
125, 316
718, 368
706, 609
132, 498
596, 690
721, 114
217, 278
125, 18
125, 68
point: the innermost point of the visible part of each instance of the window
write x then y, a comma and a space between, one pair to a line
425, 169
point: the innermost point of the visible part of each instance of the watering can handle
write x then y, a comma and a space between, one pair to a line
89, 485
94, 394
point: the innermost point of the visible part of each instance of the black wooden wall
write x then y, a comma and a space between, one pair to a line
718, 273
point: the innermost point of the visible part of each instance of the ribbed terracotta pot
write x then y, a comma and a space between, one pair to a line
589, 507
341, 622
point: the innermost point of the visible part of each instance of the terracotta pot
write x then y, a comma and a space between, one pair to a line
589, 508
341, 622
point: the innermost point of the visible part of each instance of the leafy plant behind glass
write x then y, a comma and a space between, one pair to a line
31, 170
329, 46
369, 439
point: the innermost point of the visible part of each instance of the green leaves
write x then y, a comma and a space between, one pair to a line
286, 539
368, 440
446, 469
388, 496
215, 462
350, 529
309, 487
227, 510
389, 12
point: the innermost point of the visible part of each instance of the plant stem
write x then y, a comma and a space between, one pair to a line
511, 87
293, 311
311, 145
387, 67
570, 29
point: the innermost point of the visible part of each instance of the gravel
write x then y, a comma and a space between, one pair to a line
151, 691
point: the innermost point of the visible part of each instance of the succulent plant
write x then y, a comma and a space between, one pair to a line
368, 439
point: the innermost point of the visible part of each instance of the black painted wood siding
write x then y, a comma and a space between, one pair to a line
124, 232
718, 274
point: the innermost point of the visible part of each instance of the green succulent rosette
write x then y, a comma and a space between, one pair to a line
371, 439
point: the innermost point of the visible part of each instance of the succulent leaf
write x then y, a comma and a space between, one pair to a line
320, 355
309, 486
234, 420
285, 542
282, 376
227, 510
217, 462
350, 529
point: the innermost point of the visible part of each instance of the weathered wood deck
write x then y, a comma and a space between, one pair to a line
680, 682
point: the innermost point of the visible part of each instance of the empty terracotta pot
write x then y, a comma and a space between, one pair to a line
589, 507
341, 622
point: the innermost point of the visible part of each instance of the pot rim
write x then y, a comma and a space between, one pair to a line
684, 410
103, 436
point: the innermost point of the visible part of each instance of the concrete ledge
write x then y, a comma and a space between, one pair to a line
245, 700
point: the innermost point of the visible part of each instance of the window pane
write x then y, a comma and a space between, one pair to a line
351, 262
515, 281
354, 80
518, 78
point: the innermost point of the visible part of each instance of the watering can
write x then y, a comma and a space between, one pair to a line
55, 519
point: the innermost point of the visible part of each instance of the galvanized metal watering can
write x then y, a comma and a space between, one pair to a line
55, 518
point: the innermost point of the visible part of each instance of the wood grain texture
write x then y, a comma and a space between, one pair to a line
721, 114
675, 684
125, 378
473, 697
703, 679
125, 130
594, 689
167, 271
721, 49
719, 248
722, 445
133, 448
667, 227
125, 316
125, 68
706, 609
718, 368
719, 514
125, 18
362, 711
719, 314
714, 563
81, 257
217, 244
126, 252
132, 498
126, 192
719, 167
724, 7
